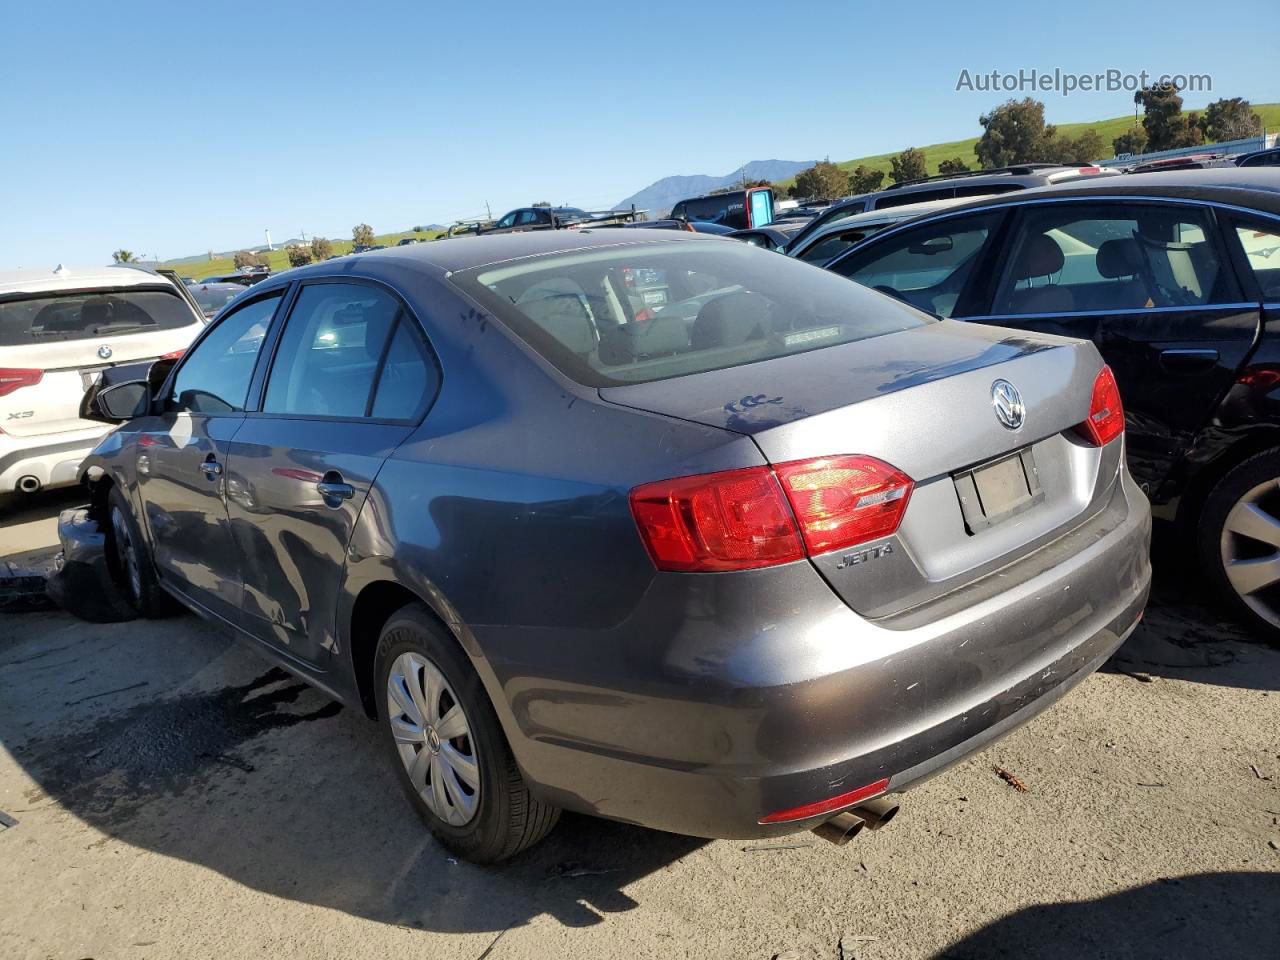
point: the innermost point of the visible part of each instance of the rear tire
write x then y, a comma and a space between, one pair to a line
1238, 542
466, 787
129, 561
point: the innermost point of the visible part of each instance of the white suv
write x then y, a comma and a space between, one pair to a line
58, 330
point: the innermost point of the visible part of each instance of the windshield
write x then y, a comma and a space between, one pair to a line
97, 313
636, 313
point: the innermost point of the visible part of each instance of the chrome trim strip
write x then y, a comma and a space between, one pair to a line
983, 205
1108, 313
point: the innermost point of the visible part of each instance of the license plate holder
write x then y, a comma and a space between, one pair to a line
998, 489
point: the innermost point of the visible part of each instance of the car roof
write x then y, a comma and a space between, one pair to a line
902, 211
462, 253
38, 280
1257, 188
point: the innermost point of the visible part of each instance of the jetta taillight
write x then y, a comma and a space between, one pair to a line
763, 516
1106, 413
11, 380
842, 501
175, 355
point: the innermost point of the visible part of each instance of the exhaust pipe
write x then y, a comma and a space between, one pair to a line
877, 813
28, 484
840, 829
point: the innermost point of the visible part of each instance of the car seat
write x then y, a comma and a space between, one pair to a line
1040, 257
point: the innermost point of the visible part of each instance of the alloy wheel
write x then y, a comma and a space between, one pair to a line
126, 553
1250, 544
433, 738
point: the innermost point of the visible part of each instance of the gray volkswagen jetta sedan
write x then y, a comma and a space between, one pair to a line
652, 526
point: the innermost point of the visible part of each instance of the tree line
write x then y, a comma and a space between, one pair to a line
1015, 133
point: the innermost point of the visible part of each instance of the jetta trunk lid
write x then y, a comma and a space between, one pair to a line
921, 400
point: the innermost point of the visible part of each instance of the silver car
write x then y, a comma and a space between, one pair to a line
735, 560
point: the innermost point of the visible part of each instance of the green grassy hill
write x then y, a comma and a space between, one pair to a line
279, 259
1108, 130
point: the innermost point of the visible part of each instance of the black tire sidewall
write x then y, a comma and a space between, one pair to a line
1238, 481
484, 838
117, 503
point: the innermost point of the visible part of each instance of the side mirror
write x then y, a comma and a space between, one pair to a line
117, 403
932, 247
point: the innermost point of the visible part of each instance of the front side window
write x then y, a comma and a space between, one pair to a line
648, 311
526, 218
1262, 250
1076, 257
91, 315
330, 351
214, 376
509, 220
926, 267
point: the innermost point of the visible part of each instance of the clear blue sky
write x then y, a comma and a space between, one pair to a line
176, 128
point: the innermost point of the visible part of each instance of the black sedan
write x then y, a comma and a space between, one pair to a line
1176, 277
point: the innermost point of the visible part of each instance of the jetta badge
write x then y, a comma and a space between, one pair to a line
1008, 403
104, 352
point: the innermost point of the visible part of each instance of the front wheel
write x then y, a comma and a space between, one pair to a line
1238, 542
447, 747
129, 561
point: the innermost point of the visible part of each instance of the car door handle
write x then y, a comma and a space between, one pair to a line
211, 468
333, 487
1188, 360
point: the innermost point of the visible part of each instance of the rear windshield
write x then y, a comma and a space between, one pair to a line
98, 313
649, 311
213, 297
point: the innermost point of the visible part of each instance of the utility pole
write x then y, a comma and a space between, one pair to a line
268, 233
487, 212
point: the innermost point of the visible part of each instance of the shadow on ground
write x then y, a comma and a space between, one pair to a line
1186, 634
196, 750
1193, 917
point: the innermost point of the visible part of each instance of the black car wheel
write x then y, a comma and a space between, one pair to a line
129, 561
1238, 542
447, 747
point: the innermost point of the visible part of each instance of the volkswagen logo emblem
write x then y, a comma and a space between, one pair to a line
1008, 403
104, 352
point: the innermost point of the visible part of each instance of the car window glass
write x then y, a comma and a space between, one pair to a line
214, 376
509, 220
526, 217
1262, 250
408, 376
636, 313
834, 244
927, 267
91, 316
330, 350
1071, 258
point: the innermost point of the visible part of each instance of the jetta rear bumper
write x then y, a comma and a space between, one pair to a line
724, 699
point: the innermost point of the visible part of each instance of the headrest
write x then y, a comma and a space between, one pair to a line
1039, 258
1119, 257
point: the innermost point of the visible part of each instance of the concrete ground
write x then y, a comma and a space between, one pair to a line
175, 796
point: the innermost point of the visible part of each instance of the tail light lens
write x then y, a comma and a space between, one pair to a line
842, 501
763, 516
1106, 413
11, 380
176, 355
736, 520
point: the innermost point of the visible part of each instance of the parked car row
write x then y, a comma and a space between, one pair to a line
829, 537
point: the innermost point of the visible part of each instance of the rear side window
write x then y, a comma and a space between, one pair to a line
91, 315
647, 311
337, 339
1077, 257
1262, 250
214, 376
